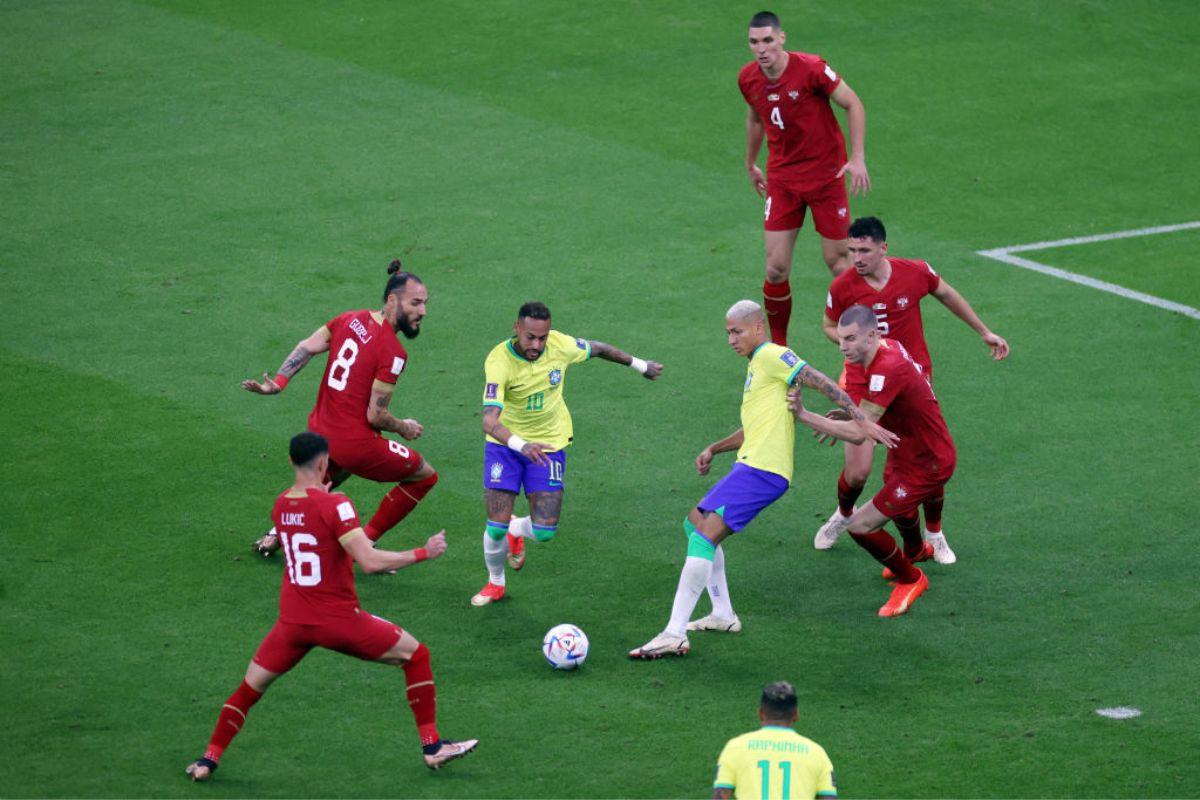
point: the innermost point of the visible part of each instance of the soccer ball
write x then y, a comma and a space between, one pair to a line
565, 647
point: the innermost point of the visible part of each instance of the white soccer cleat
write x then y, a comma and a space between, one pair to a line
942, 553
267, 544
714, 623
664, 644
828, 535
450, 751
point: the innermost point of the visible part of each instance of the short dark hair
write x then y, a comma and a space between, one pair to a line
868, 228
398, 279
305, 447
779, 700
860, 316
764, 19
533, 309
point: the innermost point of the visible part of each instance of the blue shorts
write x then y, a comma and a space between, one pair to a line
508, 470
742, 494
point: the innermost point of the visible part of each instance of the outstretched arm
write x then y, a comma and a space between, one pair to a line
834, 425
649, 369
959, 306
731, 442
856, 121
867, 428
534, 451
381, 419
362, 550
300, 355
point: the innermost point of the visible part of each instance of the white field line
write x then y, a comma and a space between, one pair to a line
1005, 255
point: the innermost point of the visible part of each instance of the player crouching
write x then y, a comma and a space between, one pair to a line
896, 394
321, 539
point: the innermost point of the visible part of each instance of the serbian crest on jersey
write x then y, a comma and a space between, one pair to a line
902, 302
497, 471
555, 377
901, 493
793, 94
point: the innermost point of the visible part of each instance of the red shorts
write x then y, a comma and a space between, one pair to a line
364, 636
902, 493
374, 458
829, 203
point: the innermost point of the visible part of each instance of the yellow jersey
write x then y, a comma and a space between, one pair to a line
529, 394
775, 763
767, 423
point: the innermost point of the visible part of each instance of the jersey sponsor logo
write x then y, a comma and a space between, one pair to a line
345, 511
829, 73
292, 519
876, 383
581, 344
496, 472
490, 390
360, 331
397, 365
772, 98
789, 358
902, 302
555, 377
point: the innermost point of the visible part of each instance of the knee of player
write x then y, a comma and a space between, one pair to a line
544, 533
856, 478
426, 475
777, 270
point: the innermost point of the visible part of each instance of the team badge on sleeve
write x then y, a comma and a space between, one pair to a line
876, 383
829, 299
490, 390
789, 358
581, 344
397, 365
345, 511
829, 73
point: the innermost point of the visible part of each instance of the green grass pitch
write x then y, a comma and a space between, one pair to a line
187, 188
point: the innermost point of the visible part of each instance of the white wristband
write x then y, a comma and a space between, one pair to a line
516, 442
638, 364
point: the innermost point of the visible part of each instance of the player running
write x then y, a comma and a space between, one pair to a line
318, 607
896, 393
352, 401
759, 477
774, 761
788, 96
892, 288
528, 429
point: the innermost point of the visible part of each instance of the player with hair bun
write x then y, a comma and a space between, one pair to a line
366, 358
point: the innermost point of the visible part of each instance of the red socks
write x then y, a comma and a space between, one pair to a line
397, 504
233, 716
883, 549
777, 300
847, 494
910, 532
422, 695
933, 512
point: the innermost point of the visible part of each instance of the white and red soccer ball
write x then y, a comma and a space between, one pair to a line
565, 647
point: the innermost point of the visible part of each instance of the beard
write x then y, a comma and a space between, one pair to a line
408, 328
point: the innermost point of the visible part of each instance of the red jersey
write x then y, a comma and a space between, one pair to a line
362, 350
318, 584
804, 141
893, 380
897, 305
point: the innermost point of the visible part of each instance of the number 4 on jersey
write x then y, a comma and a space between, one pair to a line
776, 119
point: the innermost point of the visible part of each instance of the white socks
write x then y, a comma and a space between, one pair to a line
692, 580
718, 589
521, 526
494, 551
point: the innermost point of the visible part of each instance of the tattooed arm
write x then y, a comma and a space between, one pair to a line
300, 355
609, 353
866, 427
381, 419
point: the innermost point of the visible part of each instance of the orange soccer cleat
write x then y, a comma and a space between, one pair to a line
925, 554
903, 596
490, 593
516, 551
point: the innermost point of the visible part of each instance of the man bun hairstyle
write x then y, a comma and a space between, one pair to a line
764, 19
779, 700
306, 447
533, 309
398, 278
868, 228
860, 316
